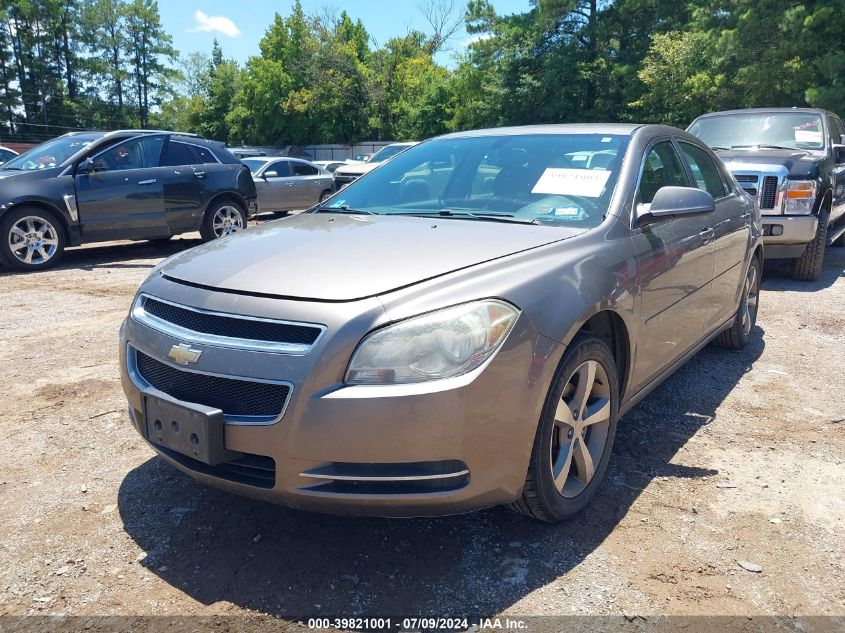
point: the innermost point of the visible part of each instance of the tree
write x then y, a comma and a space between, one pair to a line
147, 43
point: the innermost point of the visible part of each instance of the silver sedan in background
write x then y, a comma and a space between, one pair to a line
288, 184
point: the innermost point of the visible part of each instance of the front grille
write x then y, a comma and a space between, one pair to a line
748, 182
388, 479
232, 326
768, 196
232, 396
344, 180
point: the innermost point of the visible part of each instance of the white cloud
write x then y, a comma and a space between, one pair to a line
214, 24
478, 37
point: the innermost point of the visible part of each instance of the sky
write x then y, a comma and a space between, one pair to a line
239, 27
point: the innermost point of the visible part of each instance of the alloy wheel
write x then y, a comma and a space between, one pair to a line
751, 298
227, 220
582, 422
33, 240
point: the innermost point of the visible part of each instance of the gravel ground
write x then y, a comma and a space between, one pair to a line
738, 457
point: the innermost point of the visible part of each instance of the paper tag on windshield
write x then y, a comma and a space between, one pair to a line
572, 182
807, 136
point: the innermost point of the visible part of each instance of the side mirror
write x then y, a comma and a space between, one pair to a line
676, 201
839, 153
90, 166
269, 174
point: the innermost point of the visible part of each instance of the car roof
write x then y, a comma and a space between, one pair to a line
763, 111
553, 128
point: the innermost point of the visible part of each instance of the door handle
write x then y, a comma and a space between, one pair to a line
746, 215
151, 181
706, 235
199, 174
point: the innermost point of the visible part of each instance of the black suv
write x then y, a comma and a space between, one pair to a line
128, 184
792, 161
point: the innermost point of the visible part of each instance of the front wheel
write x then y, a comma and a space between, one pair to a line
808, 267
32, 239
222, 218
575, 434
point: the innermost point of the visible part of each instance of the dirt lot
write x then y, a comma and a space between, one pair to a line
739, 457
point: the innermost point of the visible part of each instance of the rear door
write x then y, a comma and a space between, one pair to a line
309, 183
674, 266
731, 224
183, 186
124, 197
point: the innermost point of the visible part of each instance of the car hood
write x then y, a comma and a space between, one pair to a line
30, 174
333, 257
356, 170
799, 163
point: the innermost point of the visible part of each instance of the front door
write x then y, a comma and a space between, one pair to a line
123, 196
731, 224
275, 187
674, 259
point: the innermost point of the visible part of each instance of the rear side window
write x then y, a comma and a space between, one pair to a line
663, 168
178, 154
704, 170
204, 154
303, 169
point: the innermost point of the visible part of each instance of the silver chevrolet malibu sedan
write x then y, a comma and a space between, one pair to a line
461, 327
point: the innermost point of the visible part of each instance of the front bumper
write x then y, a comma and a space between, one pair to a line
433, 448
788, 236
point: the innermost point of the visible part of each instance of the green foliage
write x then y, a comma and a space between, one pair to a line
321, 79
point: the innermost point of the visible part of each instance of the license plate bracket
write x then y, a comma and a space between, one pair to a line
196, 432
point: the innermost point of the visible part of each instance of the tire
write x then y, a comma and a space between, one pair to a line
222, 218
33, 234
737, 335
808, 267
325, 195
551, 460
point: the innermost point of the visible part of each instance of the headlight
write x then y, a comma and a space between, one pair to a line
800, 196
440, 344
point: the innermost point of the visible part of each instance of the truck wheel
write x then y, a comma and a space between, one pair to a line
808, 267
575, 434
736, 336
222, 218
31, 239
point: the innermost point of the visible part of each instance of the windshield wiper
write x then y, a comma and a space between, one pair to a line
344, 209
450, 213
11, 168
761, 146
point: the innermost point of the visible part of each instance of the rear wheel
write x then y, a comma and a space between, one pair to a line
30, 239
808, 267
325, 195
575, 435
736, 336
222, 218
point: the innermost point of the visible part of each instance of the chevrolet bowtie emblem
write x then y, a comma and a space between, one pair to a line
183, 354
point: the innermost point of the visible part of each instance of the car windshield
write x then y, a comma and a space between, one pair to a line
253, 164
51, 153
766, 130
386, 152
553, 179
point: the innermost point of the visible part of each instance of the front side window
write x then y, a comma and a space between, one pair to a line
137, 153
280, 167
549, 179
662, 168
764, 130
704, 170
